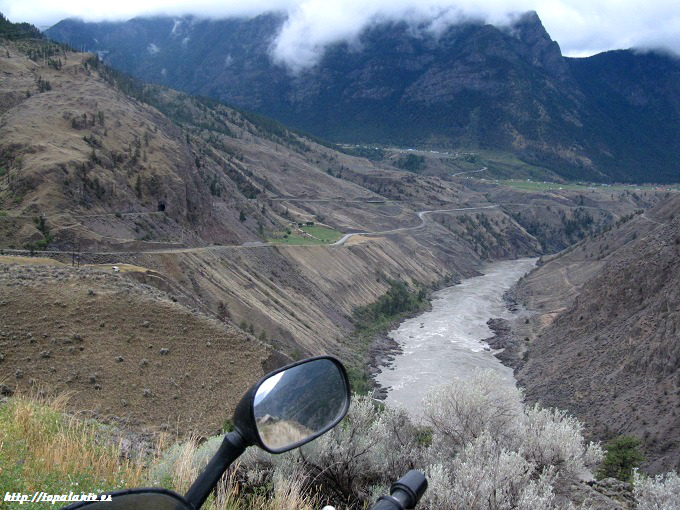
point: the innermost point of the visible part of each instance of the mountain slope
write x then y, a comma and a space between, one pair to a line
473, 86
634, 102
605, 343
102, 167
122, 350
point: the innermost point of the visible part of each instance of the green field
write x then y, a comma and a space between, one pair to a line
543, 186
546, 186
308, 234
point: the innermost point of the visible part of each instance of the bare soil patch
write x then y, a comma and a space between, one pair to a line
125, 351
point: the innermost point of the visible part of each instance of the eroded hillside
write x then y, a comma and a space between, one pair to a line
197, 191
122, 350
604, 340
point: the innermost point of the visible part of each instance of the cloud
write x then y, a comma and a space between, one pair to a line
313, 24
585, 27
48, 12
581, 27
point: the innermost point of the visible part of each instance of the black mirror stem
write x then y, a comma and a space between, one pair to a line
231, 449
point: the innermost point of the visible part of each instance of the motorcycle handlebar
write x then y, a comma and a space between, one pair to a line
404, 493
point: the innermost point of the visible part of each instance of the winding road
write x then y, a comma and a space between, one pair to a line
257, 244
470, 172
421, 215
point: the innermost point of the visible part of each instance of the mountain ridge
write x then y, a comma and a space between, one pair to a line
473, 86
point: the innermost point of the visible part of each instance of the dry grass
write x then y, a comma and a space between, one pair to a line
38, 261
43, 449
287, 494
185, 470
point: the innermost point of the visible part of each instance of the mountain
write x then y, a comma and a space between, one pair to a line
603, 342
208, 203
614, 116
208, 233
633, 100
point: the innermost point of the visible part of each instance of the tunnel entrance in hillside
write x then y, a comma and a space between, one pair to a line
161, 206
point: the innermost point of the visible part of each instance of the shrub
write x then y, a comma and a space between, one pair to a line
462, 411
551, 438
484, 450
487, 476
659, 493
490, 452
398, 299
622, 457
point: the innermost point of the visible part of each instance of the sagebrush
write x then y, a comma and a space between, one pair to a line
479, 445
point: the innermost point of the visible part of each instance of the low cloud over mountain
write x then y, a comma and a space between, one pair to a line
581, 27
424, 82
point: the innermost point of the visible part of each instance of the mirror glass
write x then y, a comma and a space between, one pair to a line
299, 403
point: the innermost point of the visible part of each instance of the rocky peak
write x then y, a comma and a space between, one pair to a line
538, 46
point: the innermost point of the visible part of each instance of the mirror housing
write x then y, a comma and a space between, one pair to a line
135, 499
310, 372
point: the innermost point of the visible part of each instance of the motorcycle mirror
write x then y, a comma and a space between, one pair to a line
285, 409
135, 499
294, 404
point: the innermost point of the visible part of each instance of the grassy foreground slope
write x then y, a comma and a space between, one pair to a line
45, 450
476, 430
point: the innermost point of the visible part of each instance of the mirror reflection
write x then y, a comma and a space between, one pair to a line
294, 405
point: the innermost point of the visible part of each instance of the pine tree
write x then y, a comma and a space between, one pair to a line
138, 186
622, 457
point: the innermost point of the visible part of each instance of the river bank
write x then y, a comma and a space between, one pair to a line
511, 336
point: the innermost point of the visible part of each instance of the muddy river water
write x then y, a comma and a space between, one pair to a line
446, 343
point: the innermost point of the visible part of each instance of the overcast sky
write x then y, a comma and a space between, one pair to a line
581, 27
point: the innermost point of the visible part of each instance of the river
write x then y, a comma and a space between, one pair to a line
445, 343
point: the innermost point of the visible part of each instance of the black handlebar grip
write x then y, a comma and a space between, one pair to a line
412, 483
404, 493
387, 503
